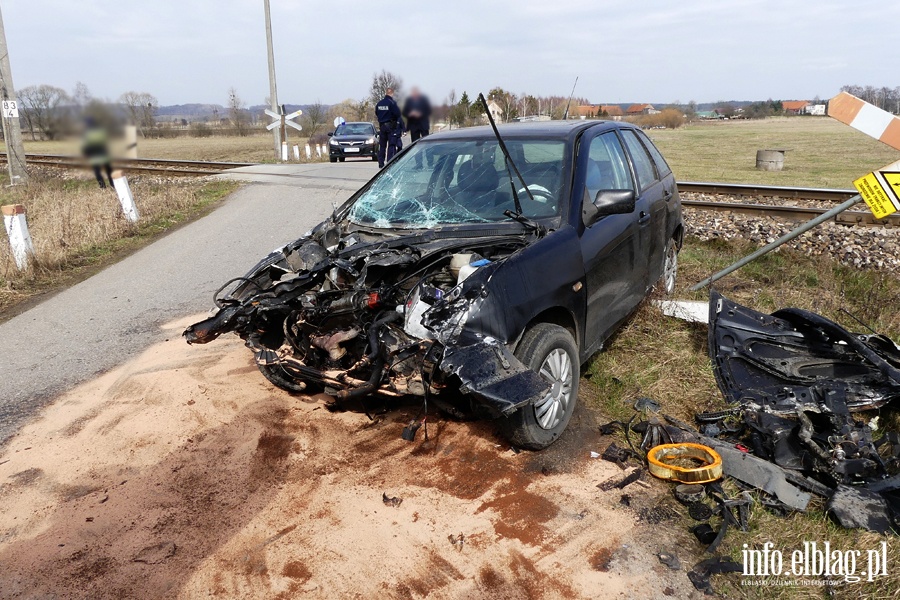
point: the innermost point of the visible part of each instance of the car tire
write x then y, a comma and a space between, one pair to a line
332, 158
341, 159
375, 158
549, 350
670, 269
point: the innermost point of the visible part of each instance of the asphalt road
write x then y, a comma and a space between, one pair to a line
105, 320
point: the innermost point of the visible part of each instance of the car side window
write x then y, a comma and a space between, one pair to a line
662, 167
643, 164
607, 167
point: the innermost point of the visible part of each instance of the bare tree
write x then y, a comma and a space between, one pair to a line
45, 110
237, 110
314, 118
363, 110
81, 95
141, 108
380, 84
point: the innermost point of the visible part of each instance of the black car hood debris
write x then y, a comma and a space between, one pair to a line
797, 360
796, 379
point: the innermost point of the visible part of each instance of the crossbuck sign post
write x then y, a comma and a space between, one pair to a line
284, 121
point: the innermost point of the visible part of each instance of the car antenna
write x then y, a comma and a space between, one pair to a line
518, 216
566, 115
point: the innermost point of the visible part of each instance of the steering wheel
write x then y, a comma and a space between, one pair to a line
540, 193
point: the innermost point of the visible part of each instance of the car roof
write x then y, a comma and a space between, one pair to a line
562, 130
356, 123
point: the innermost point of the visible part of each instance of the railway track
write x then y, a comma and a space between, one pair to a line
729, 190
144, 165
826, 198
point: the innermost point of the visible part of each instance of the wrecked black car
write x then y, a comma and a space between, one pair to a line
478, 279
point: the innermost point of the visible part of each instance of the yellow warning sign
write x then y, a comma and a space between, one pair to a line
881, 191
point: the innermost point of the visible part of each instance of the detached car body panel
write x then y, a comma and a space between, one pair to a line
426, 280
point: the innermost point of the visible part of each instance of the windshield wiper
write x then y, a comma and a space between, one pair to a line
518, 215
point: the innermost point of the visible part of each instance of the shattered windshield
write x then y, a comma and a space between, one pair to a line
465, 181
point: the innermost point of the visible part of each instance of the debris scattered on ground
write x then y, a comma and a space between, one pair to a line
692, 311
699, 511
156, 553
457, 540
395, 502
670, 560
615, 454
702, 571
620, 484
685, 462
689, 493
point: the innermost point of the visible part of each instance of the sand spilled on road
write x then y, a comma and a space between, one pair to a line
183, 473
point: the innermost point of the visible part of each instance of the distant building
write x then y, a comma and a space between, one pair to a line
794, 107
641, 109
815, 109
496, 111
708, 115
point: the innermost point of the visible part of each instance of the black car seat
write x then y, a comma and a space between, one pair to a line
479, 182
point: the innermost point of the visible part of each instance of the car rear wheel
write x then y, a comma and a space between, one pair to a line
670, 268
550, 351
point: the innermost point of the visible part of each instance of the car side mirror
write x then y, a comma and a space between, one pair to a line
607, 202
330, 134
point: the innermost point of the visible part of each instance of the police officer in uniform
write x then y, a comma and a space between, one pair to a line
390, 127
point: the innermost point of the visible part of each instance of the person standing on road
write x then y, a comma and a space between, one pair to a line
390, 124
417, 110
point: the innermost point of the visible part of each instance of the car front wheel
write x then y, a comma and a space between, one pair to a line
550, 351
332, 158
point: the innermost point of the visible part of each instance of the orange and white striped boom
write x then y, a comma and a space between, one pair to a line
867, 118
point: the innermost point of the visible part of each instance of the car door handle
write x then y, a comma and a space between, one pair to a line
644, 218
668, 195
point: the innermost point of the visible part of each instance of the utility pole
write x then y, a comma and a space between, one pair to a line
273, 89
12, 133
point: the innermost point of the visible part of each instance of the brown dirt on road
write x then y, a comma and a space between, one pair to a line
183, 473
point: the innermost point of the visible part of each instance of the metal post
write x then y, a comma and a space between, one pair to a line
785, 238
273, 90
12, 133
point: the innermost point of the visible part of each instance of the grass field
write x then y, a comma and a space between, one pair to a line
821, 152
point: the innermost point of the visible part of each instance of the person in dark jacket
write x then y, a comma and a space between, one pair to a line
390, 127
417, 110
95, 148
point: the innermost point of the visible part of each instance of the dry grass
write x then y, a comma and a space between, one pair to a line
252, 148
666, 359
821, 151
77, 227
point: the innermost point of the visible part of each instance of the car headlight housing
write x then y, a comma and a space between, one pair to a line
334, 142
371, 140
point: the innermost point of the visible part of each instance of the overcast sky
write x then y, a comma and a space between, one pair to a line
629, 50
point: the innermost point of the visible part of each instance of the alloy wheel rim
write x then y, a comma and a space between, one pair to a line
671, 269
557, 371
